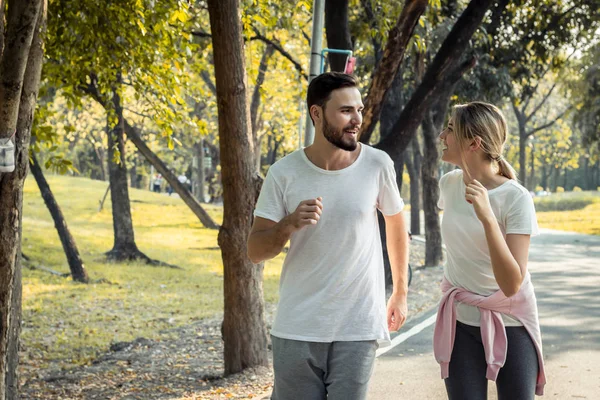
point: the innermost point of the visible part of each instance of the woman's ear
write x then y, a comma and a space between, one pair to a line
475, 144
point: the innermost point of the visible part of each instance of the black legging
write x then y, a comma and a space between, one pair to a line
516, 379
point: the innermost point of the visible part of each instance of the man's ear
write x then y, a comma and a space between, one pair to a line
316, 112
475, 144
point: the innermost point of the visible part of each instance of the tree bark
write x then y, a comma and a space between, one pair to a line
523, 158
244, 330
21, 23
99, 153
337, 31
2, 26
255, 103
198, 171
532, 160
20, 66
412, 156
597, 175
125, 248
431, 192
545, 174
390, 63
133, 174
556, 175
435, 79
432, 125
76, 266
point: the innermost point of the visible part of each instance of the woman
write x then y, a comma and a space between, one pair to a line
487, 325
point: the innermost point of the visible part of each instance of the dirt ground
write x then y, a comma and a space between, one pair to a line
189, 366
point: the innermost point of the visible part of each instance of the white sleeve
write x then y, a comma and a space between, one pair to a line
389, 201
270, 204
442, 184
520, 218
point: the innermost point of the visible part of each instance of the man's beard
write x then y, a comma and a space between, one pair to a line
337, 137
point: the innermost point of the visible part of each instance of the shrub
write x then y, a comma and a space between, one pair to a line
560, 189
562, 203
576, 189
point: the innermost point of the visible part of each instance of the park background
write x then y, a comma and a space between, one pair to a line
156, 120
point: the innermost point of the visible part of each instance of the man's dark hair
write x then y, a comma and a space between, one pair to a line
320, 88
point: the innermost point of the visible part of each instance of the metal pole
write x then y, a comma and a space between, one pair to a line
315, 60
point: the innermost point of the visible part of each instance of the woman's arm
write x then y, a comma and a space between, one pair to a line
509, 256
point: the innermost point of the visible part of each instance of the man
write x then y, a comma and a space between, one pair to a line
331, 312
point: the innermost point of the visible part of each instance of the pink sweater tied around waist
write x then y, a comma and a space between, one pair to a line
522, 306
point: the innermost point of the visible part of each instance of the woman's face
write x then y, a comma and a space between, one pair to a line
450, 147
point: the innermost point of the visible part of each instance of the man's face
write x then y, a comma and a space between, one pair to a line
342, 118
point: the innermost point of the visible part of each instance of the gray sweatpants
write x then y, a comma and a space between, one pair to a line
316, 371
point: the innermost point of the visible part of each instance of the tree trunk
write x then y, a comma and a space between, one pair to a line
20, 70
556, 175
586, 174
565, 181
523, 158
78, 271
255, 104
597, 175
125, 248
412, 157
99, 151
198, 171
393, 102
244, 330
170, 177
532, 176
2, 25
431, 193
337, 30
133, 174
432, 125
388, 67
435, 80
544, 182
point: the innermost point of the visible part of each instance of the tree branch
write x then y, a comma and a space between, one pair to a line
548, 124
281, 50
137, 113
260, 79
394, 52
443, 65
206, 78
201, 34
537, 108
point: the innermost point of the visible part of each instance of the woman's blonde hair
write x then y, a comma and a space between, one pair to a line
483, 120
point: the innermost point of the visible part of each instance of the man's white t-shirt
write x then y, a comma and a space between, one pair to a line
332, 281
468, 264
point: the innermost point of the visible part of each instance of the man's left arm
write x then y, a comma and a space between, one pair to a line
397, 247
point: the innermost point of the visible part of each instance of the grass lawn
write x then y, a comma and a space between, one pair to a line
572, 211
72, 322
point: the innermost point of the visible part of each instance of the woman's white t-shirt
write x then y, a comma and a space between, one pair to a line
468, 258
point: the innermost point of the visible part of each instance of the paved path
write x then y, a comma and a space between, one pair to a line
565, 269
